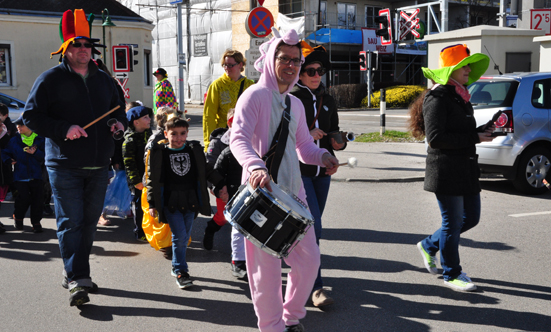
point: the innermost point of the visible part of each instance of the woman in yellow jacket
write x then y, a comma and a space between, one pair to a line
223, 93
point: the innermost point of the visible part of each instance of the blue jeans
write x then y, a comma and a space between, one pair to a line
317, 189
78, 199
180, 225
459, 214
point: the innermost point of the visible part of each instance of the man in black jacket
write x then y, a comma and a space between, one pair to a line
62, 101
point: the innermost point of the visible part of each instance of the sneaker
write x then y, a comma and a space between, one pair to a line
142, 238
93, 289
430, 261
294, 328
48, 211
239, 269
79, 296
320, 298
461, 283
183, 280
167, 252
18, 223
37, 228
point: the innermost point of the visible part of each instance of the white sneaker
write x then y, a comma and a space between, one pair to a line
461, 283
430, 261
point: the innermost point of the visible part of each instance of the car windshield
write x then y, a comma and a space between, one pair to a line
493, 93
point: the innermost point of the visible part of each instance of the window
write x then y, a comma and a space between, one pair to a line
291, 8
147, 67
5, 65
346, 15
323, 14
518, 62
541, 97
370, 14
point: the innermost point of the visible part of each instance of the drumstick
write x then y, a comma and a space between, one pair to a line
101, 117
352, 162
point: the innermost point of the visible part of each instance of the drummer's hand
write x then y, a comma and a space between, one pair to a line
223, 194
335, 145
317, 133
152, 212
260, 177
75, 132
331, 163
117, 126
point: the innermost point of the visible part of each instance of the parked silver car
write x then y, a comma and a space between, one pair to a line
15, 105
522, 150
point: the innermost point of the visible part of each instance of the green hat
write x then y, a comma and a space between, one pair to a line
454, 57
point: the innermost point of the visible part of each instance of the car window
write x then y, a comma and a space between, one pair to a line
493, 93
541, 96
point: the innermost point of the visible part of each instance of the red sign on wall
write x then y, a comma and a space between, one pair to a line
259, 22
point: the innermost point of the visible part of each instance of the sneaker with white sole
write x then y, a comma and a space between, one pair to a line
430, 261
183, 280
461, 283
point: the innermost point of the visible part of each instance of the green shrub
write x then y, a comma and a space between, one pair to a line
399, 96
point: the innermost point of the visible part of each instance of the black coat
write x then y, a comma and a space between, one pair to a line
451, 132
328, 120
230, 169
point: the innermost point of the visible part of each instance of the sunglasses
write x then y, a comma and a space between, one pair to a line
312, 72
229, 66
118, 134
78, 45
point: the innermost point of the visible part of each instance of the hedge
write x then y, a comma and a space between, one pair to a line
399, 96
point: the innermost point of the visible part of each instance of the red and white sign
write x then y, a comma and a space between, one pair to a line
540, 19
259, 22
370, 42
408, 23
121, 58
122, 83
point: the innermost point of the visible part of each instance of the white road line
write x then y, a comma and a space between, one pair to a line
529, 214
375, 115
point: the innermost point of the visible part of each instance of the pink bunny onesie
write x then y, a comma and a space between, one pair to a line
257, 116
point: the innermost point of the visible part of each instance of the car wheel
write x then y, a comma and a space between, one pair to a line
533, 168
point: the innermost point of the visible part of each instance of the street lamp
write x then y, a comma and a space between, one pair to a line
105, 22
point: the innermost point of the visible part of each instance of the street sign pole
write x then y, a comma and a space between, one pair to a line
368, 78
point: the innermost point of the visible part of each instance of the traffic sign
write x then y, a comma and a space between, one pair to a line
121, 75
259, 22
408, 24
541, 20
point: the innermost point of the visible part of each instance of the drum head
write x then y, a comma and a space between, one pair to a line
289, 202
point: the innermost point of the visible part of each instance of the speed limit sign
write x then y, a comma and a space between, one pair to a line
541, 20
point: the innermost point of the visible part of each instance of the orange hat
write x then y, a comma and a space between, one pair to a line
454, 57
315, 54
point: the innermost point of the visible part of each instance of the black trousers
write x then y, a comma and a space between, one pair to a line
138, 213
29, 193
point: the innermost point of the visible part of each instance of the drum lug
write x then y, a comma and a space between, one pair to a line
248, 200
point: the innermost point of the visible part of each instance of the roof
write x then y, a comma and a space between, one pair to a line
336, 36
58, 7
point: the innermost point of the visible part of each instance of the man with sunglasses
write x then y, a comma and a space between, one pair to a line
257, 116
62, 101
322, 118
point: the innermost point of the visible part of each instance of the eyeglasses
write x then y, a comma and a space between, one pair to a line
118, 134
78, 45
312, 72
229, 66
286, 61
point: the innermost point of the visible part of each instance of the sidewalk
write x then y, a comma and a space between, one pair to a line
382, 162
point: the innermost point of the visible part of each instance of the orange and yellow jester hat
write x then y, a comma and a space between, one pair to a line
73, 26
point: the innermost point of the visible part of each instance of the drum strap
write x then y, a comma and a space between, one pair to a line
273, 157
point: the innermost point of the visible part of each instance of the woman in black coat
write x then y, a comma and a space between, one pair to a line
444, 116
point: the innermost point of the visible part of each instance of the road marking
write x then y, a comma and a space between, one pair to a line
375, 115
529, 214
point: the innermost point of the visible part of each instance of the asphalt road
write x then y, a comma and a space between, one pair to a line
370, 264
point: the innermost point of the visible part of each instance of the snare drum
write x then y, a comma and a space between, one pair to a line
273, 221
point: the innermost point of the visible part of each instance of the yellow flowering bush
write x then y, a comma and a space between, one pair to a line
399, 96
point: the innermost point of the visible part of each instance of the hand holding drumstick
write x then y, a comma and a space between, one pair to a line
76, 132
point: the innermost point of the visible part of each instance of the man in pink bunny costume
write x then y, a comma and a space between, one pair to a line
257, 116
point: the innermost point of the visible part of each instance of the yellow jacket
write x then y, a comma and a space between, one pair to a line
221, 96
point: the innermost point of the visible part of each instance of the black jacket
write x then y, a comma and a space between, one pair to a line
60, 98
328, 120
230, 169
451, 133
155, 179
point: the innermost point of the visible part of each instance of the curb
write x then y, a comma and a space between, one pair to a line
389, 180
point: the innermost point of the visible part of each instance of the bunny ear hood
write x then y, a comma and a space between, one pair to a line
266, 63
72, 26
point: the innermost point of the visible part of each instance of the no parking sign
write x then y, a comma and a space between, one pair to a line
259, 22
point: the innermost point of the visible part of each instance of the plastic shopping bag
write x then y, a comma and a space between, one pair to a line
158, 234
118, 199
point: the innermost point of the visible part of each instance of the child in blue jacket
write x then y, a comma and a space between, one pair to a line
25, 152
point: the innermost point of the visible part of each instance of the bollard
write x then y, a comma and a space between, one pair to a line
383, 110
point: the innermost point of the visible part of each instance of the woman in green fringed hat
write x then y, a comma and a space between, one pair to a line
444, 115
